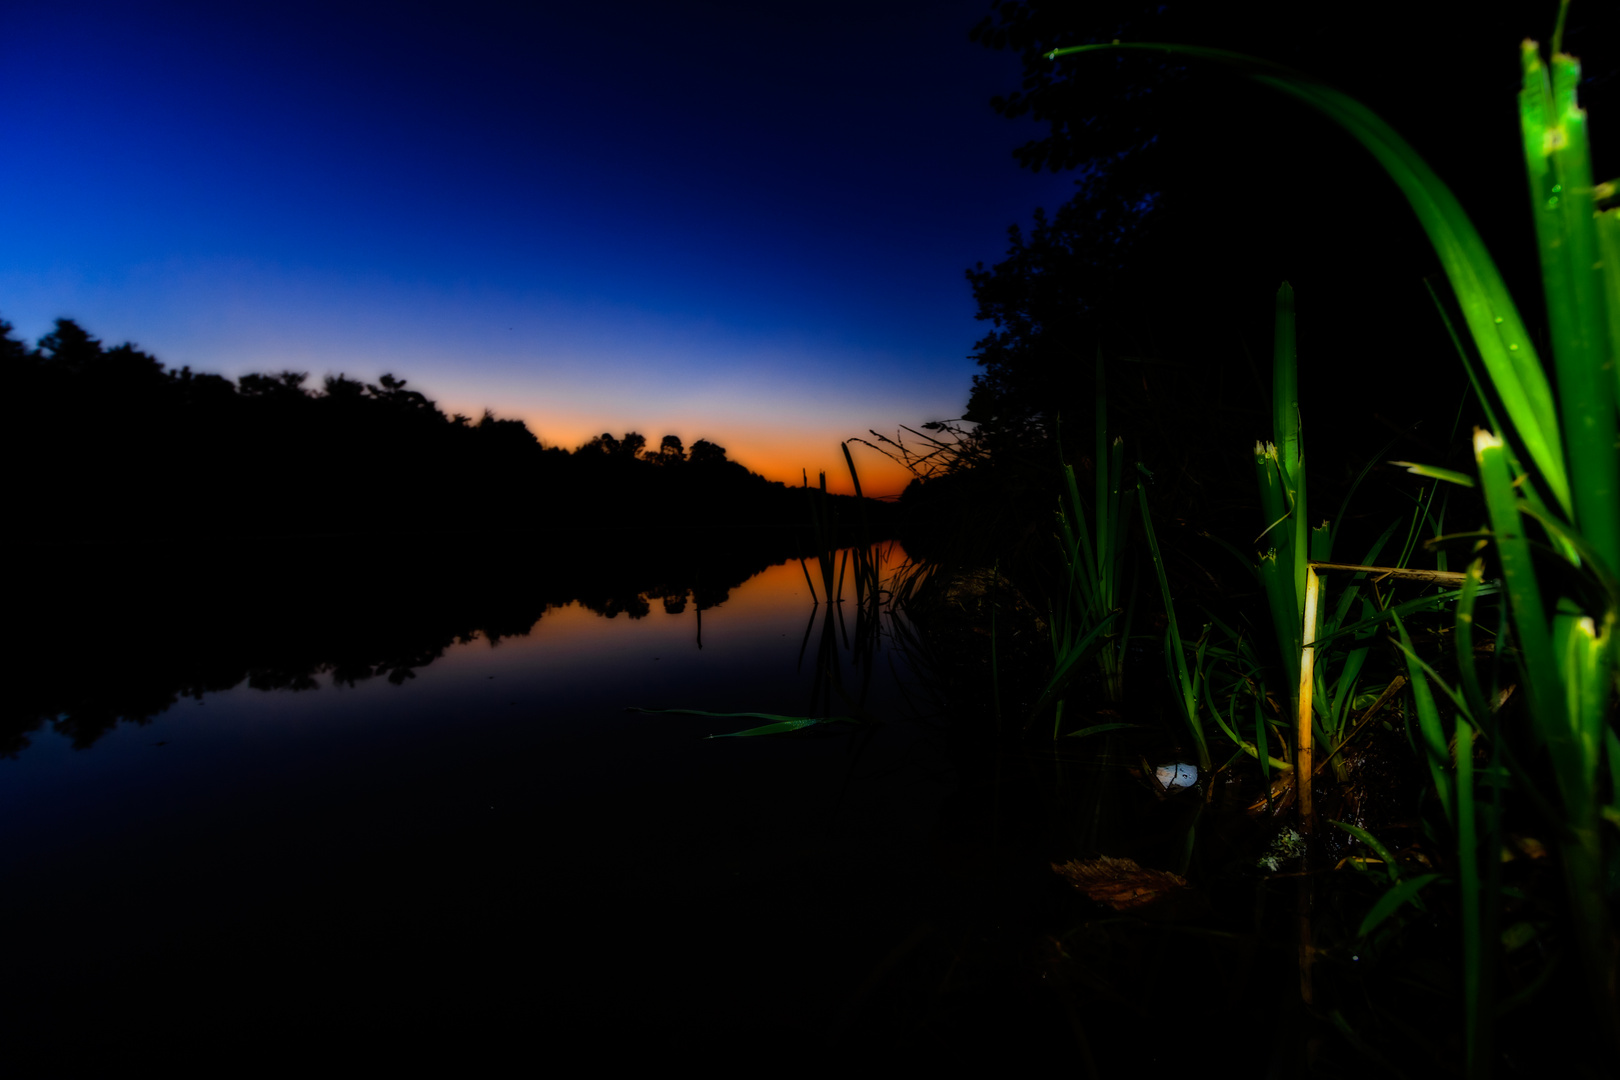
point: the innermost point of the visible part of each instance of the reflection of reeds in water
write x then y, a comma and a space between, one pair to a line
862, 564
860, 635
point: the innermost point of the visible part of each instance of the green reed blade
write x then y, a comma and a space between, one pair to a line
1285, 383
1574, 548
1563, 207
1082, 569
1175, 652
1464, 632
1544, 684
778, 725
1474, 950
1114, 528
1228, 726
1276, 565
1581, 650
1585, 655
1608, 233
1611, 743
1261, 743
1274, 503
1404, 891
1429, 725
1480, 395
1100, 443
1064, 672
1392, 869
1097, 729
1434, 472
1093, 557
782, 727
1499, 333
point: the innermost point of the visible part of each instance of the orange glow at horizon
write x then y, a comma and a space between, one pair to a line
786, 452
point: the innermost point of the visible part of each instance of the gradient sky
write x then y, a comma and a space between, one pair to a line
746, 222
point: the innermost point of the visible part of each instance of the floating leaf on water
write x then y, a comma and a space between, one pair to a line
779, 724
1120, 883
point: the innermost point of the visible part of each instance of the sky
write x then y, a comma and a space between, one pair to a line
736, 221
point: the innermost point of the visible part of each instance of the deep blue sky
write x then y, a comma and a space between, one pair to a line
746, 222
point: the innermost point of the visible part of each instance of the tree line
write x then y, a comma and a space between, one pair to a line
113, 444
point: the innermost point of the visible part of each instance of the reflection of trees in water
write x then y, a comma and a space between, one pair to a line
121, 634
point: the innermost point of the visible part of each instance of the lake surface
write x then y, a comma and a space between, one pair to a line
393, 804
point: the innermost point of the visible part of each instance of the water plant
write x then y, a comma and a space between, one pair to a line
1090, 617
1547, 473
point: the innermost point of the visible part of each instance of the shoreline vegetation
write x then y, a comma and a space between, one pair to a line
1345, 763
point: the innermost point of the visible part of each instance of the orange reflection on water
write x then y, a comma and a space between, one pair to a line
775, 598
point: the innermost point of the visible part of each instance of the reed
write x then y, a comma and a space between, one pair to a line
1547, 473
1091, 619
1187, 682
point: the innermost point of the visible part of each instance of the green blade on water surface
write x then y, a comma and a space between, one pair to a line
779, 724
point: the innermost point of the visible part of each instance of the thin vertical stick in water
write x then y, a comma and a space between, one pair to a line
1307, 664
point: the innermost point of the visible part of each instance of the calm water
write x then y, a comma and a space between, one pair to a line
486, 848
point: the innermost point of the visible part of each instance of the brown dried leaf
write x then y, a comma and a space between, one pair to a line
1120, 883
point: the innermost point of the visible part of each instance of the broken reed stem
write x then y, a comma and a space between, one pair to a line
1383, 699
1305, 749
1434, 577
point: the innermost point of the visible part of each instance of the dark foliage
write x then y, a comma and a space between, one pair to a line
1197, 193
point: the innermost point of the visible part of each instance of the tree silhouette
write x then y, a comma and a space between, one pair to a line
12, 350
282, 386
113, 444
670, 451
341, 388
1198, 192
704, 452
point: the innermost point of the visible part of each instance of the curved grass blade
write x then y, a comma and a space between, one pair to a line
1435, 472
1186, 684
1398, 894
1065, 670
1392, 869
1429, 724
1096, 729
1493, 320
